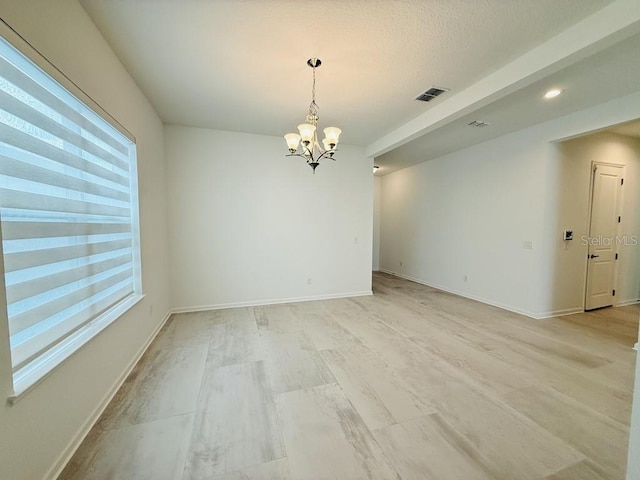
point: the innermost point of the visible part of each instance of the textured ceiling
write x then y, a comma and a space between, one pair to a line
240, 64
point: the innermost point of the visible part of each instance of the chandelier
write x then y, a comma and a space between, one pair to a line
307, 140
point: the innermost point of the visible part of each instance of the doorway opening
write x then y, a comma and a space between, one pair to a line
600, 185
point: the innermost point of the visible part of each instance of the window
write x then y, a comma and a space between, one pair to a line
68, 218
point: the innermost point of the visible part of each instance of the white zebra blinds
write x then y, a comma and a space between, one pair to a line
68, 210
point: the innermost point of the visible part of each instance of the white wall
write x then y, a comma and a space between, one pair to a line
39, 431
469, 212
573, 173
377, 198
249, 225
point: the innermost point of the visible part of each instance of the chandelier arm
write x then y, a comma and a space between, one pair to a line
327, 154
297, 155
322, 156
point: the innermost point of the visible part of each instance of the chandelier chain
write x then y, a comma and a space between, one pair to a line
313, 106
313, 89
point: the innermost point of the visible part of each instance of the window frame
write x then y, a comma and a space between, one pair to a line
24, 379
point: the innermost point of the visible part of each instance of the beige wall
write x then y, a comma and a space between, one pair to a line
40, 430
573, 169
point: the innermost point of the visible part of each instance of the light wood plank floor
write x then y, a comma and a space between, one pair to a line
411, 383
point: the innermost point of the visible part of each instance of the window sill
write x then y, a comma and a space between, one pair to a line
33, 373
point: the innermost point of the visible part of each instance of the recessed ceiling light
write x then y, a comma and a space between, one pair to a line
554, 92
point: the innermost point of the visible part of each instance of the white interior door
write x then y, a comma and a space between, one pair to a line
603, 231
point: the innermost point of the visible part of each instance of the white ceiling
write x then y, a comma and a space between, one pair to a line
611, 73
240, 64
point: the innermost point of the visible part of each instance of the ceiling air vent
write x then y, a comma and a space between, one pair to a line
479, 124
430, 94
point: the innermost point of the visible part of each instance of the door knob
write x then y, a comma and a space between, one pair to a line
593, 256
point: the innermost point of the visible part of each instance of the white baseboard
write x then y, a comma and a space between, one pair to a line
572, 311
625, 303
465, 295
84, 430
559, 313
257, 303
537, 316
